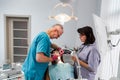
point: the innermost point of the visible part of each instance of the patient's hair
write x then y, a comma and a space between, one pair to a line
65, 52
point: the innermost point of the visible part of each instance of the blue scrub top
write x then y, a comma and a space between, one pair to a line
61, 71
31, 67
90, 55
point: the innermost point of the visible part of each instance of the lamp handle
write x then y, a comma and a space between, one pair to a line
64, 5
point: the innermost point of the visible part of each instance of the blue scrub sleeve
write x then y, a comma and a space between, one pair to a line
42, 46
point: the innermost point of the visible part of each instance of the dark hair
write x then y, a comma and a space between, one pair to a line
65, 52
87, 30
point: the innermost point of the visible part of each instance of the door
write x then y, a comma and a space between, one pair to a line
17, 38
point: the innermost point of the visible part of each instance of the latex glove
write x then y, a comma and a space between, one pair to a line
61, 51
54, 57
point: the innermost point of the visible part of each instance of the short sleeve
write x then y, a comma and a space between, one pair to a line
93, 59
42, 46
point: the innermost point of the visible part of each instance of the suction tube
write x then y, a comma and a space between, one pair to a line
78, 65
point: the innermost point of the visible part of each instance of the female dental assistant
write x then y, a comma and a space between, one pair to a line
88, 55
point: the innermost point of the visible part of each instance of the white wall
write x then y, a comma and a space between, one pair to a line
39, 10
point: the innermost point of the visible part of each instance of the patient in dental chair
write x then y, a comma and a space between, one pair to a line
58, 70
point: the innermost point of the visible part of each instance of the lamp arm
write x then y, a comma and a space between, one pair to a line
116, 32
109, 41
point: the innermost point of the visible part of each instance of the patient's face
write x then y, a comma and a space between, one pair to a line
56, 53
59, 57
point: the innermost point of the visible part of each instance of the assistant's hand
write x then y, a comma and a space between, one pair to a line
74, 58
54, 57
61, 51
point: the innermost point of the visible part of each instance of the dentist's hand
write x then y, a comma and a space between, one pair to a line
61, 51
54, 57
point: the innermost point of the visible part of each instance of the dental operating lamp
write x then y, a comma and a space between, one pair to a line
62, 16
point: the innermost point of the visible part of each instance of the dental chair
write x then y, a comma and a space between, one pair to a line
67, 59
